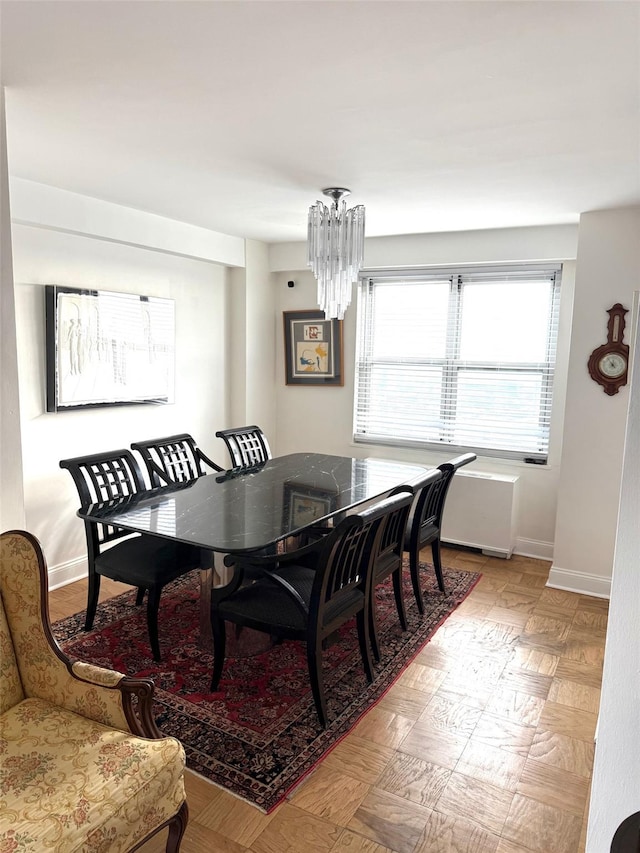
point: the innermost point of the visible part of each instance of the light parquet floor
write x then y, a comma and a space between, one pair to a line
484, 745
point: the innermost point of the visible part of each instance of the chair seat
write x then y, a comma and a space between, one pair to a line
264, 602
97, 787
147, 560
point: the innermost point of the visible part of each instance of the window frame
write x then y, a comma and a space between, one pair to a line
459, 276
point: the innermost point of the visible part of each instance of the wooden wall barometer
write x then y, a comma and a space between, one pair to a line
608, 364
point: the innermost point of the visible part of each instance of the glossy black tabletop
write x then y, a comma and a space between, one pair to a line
248, 509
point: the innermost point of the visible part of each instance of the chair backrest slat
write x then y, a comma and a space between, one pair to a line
247, 445
174, 459
102, 477
351, 549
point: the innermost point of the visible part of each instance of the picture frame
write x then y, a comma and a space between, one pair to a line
304, 505
312, 348
106, 348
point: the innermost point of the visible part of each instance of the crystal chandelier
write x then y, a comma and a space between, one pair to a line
335, 250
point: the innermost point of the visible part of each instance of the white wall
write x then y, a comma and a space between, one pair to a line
11, 489
322, 418
616, 771
608, 262
200, 293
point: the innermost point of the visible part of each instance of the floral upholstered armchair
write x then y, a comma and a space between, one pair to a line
83, 766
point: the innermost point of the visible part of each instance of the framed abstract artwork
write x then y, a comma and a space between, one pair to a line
312, 349
107, 349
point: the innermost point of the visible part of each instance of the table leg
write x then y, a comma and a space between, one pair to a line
213, 574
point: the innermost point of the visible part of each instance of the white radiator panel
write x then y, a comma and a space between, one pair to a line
481, 512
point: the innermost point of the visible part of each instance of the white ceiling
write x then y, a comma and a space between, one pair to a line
233, 115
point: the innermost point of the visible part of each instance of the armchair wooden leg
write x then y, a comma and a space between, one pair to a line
140, 596
219, 642
153, 603
177, 828
414, 568
93, 593
437, 563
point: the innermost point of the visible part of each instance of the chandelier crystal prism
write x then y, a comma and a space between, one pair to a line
335, 246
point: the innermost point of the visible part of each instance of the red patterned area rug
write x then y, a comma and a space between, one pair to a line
259, 735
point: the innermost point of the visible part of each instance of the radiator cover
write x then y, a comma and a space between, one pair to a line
481, 512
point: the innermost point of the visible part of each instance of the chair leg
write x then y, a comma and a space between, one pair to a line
153, 604
414, 568
140, 596
314, 662
373, 629
437, 563
177, 826
92, 599
397, 591
218, 630
363, 622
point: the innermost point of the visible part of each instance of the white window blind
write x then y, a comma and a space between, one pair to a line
462, 359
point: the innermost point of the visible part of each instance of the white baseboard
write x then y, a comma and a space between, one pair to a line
65, 573
581, 582
533, 548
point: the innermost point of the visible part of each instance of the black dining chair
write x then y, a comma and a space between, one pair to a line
247, 445
308, 594
174, 459
425, 522
146, 562
389, 561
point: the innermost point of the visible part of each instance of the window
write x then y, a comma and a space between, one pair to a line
458, 358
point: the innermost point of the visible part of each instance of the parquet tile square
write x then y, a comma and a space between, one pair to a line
414, 779
554, 786
491, 764
442, 748
484, 804
575, 695
361, 757
405, 701
514, 598
390, 820
445, 834
540, 827
449, 714
558, 750
515, 706
420, 677
580, 671
534, 660
233, 818
293, 829
568, 601
508, 616
330, 794
525, 681
568, 721
383, 727
595, 620
504, 734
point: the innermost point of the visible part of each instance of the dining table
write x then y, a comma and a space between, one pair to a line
250, 510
